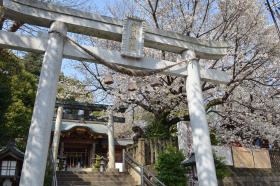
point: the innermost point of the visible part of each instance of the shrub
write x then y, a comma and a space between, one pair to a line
168, 166
157, 131
221, 168
48, 175
97, 162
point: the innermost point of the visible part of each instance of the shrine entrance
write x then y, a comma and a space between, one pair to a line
77, 156
80, 145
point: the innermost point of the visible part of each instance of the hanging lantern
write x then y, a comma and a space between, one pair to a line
108, 78
132, 85
154, 82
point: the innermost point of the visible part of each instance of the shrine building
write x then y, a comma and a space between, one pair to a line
84, 137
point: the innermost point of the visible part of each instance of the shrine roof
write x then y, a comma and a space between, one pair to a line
11, 150
124, 141
191, 161
92, 107
96, 128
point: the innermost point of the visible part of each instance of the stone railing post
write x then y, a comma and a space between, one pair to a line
140, 155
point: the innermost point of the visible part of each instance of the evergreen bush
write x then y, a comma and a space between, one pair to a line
97, 162
168, 166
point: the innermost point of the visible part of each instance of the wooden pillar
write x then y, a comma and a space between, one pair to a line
93, 150
61, 148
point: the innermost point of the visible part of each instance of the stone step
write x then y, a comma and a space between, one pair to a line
96, 179
73, 178
91, 176
96, 183
86, 173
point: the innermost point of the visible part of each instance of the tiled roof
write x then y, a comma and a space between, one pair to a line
97, 128
11, 148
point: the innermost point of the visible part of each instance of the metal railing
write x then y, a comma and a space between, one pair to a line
53, 165
147, 178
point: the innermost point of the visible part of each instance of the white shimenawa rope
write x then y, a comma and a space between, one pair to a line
117, 68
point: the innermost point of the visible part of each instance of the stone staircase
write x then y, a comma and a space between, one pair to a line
77, 178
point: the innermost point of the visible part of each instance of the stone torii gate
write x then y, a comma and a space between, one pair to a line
134, 37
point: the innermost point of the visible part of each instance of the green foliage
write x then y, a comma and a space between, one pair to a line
48, 175
60, 165
221, 168
20, 144
97, 162
98, 113
17, 95
168, 166
33, 63
213, 138
156, 130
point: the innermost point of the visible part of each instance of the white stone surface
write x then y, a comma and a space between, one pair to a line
42, 14
56, 135
224, 152
201, 139
119, 166
184, 137
35, 158
19, 41
111, 145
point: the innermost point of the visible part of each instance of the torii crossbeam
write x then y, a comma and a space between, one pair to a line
63, 20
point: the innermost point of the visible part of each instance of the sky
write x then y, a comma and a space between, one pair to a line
94, 6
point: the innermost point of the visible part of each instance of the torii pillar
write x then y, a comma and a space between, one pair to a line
56, 133
111, 145
36, 153
201, 139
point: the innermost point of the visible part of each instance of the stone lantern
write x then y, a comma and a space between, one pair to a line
102, 161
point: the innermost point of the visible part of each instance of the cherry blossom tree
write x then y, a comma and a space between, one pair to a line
248, 106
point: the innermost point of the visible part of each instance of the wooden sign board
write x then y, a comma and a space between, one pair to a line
133, 37
243, 157
261, 158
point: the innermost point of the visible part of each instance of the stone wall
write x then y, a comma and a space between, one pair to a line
252, 177
146, 151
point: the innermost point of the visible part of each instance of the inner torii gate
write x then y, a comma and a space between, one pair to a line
133, 36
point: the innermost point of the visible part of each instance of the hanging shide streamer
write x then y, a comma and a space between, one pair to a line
132, 85
108, 78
